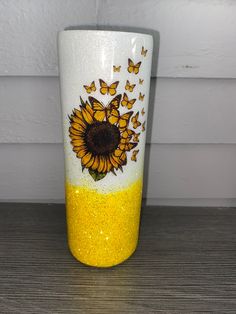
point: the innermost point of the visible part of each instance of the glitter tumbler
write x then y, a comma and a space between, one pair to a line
104, 79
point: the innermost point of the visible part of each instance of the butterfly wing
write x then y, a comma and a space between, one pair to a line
116, 69
124, 120
143, 52
124, 101
93, 87
127, 85
141, 97
133, 157
131, 87
130, 146
99, 109
88, 89
114, 116
131, 103
103, 87
136, 67
130, 66
112, 88
143, 126
115, 102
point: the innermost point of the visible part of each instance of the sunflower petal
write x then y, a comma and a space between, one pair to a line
78, 113
78, 120
77, 126
104, 169
78, 142
89, 164
109, 165
75, 132
86, 158
87, 116
114, 163
89, 108
101, 164
81, 152
95, 164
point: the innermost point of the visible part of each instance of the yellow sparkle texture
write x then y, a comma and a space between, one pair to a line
103, 227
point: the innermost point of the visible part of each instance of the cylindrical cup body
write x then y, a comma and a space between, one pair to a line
105, 80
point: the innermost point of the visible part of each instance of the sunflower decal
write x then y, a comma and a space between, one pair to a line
101, 137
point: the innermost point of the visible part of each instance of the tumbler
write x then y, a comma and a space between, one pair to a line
104, 83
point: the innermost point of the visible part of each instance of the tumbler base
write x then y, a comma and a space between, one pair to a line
102, 264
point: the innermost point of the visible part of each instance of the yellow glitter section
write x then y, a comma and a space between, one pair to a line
103, 228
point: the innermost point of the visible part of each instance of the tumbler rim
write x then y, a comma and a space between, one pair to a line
99, 31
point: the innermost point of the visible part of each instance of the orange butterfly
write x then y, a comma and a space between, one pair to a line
127, 134
143, 52
134, 155
128, 146
143, 126
133, 68
91, 88
136, 137
116, 69
106, 89
122, 121
141, 82
102, 112
141, 97
129, 87
126, 102
143, 112
135, 121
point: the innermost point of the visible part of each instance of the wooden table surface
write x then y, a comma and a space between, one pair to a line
185, 263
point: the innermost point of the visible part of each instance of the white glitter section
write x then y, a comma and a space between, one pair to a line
86, 56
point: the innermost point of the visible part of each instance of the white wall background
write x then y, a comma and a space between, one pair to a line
191, 151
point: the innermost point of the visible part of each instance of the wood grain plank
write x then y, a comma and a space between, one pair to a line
29, 33
185, 263
191, 38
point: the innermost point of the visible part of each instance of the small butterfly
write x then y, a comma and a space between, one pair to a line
141, 82
127, 134
141, 97
127, 146
143, 52
143, 112
110, 112
134, 155
106, 89
126, 102
116, 69
129, 87
122, 121
101, 111
91, 88
133, 68
136, 137
143, 126
135, 121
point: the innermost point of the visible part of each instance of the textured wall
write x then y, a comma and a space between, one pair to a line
192, 125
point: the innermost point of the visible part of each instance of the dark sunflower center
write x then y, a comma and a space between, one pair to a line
102, 138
